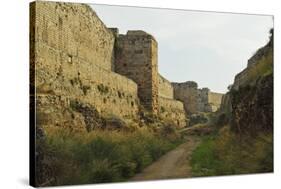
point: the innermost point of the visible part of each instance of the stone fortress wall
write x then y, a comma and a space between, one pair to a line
166, 89
73, 61
76, 59
169, 107
214, 100
203, 104
253, 66
187, 92
195, 99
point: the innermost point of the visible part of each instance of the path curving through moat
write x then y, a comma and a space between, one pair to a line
174, 164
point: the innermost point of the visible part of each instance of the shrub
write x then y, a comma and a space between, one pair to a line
119, 94
114, 123
91, 116
197, 119
101, 170
100, 156
227, 153
85, 89
103, 89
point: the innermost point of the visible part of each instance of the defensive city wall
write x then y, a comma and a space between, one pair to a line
78, 64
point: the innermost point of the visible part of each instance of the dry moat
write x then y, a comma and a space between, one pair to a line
105, 114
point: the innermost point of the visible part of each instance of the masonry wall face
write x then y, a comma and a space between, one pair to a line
136, 58
226, 103
196, 100
202, 101
172, 110
215, 99
188, 94
169, 108
76, 30
166, 89
73, 54
240, 79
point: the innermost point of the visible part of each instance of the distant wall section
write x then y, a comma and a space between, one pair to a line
196, 100
215, 100
187, 92
203, 100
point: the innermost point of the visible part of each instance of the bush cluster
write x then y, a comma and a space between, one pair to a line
227, 153
100, 156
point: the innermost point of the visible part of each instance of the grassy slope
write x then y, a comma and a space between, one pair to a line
101, 156
225, 153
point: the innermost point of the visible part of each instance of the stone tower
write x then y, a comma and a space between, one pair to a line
136, 58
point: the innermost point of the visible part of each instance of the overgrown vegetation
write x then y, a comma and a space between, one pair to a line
103, 89
243, 142
264, 65
198, 118
91, 116
120, 94
226, 153
101, 156
262, 68
85, 89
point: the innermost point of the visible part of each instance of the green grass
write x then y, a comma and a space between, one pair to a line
226, 153
204, 161
100, 156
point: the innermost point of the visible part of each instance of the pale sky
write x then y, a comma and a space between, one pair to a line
206, 47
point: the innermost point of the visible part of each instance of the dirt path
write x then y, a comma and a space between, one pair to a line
174, 164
